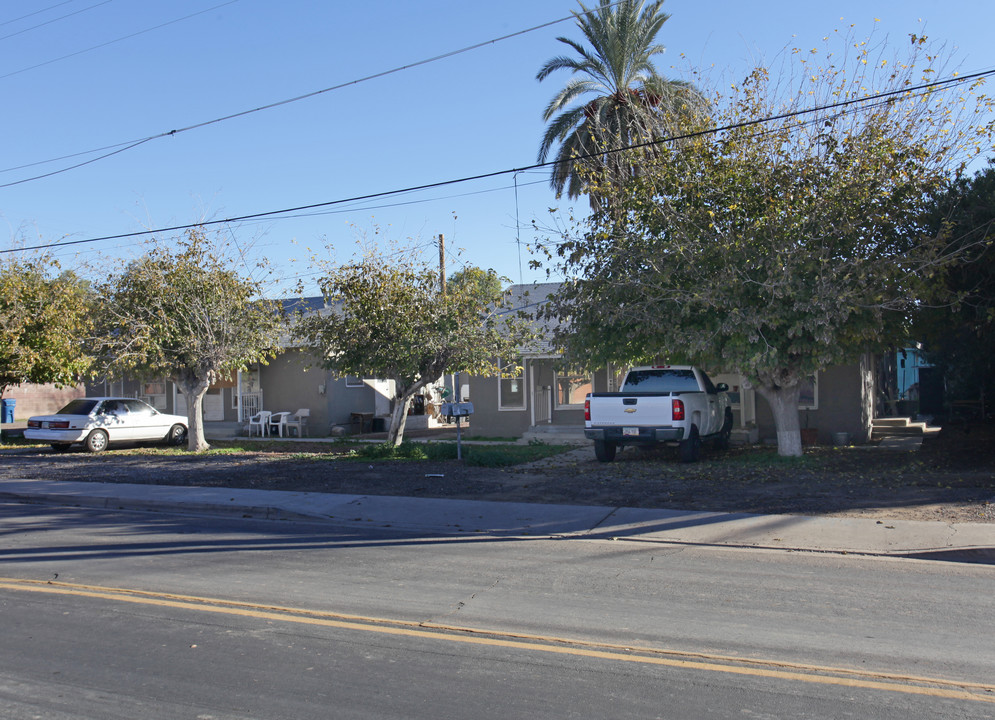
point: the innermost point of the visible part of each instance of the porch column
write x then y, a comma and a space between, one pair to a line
530, 395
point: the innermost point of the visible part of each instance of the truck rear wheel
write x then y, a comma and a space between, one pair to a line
690, 449
604, 450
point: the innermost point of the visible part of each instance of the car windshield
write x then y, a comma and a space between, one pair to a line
80, 406
660, 380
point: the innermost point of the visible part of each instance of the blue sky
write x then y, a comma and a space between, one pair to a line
78, 75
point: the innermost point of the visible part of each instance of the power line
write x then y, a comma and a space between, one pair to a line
171, 133
77, 165
875, 98
36, 12
359, 208
49, 22
116, 40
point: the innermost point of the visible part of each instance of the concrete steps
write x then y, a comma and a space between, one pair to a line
897, 427
556, 434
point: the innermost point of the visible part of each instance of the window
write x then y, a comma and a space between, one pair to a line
660, 380
137, 407
354, 381
808, 399
154, 393
572, 387
511, 388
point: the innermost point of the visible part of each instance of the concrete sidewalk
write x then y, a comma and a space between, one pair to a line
972, 542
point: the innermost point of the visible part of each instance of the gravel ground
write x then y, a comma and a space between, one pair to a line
952, 478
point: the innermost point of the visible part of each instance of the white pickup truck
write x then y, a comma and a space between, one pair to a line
671, 404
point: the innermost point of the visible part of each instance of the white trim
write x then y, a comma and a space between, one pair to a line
523, 379
556, 391
532, 392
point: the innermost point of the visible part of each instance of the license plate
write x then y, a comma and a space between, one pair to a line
628, 431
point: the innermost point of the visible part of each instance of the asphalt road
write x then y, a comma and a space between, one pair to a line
145, 615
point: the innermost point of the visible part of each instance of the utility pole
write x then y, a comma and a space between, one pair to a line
442, 263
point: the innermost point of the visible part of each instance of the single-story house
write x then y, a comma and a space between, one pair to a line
291, 381
545, 396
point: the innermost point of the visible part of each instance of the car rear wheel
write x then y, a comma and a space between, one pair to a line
690, 449
604, 450
61, 447
177, 435
96, 441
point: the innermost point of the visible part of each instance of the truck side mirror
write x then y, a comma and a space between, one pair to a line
722, 387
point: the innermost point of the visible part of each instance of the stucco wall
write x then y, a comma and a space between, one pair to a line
490, 421
843, 406
289, 383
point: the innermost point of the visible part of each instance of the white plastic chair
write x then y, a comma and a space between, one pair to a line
260, 420
278, 423
298, 420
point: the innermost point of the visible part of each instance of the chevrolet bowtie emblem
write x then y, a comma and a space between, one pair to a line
630, 410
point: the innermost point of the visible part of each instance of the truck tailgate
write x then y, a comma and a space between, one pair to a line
630, 409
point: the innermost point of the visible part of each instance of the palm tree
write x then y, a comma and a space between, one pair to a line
632, 103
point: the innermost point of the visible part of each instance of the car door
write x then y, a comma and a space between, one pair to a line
113, 418
715, 418
145, 423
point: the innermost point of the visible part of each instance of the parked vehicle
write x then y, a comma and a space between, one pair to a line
668, 404
97, 422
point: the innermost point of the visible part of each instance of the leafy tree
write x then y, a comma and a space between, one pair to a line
390, 319
188, 316
45, 314
631, 102
957, 322
486, 284
777, 249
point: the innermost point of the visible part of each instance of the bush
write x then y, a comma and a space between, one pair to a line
474, 455
384, 451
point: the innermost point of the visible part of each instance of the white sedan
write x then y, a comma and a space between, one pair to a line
97, 422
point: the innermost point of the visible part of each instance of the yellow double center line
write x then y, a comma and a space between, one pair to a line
706, 662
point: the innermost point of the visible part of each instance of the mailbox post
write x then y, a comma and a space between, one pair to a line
458, 410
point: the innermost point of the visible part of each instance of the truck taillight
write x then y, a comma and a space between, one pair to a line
587, 410
678, 409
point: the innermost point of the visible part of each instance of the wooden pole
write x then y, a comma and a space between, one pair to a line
442, 263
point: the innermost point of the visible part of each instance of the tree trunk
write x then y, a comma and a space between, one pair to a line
194, 390
783, 403
399, 414
398, 418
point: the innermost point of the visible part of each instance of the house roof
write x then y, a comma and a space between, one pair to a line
531, 299
527, 298
303, 305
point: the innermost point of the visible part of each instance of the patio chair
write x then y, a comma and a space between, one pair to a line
278, 423
298, 420
260, 420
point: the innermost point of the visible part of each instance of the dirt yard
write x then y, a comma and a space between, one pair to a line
951, 479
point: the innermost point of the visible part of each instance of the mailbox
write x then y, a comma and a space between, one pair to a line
457, 410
